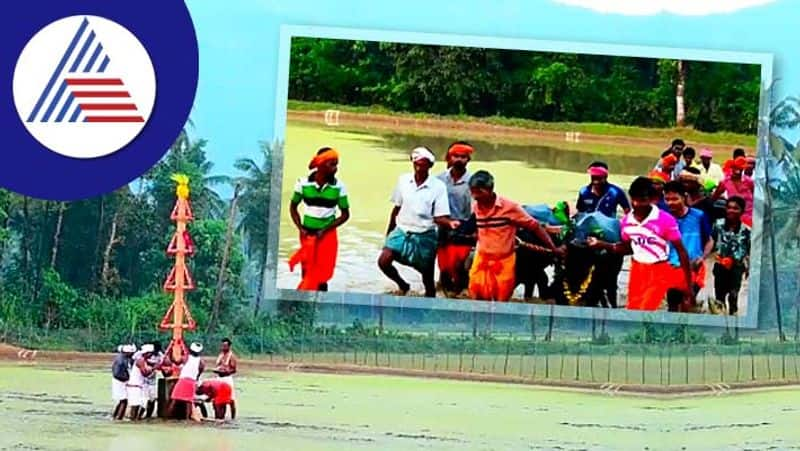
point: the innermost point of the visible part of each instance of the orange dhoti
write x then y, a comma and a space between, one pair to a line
492, 278
451, 258
649, 282
317, 258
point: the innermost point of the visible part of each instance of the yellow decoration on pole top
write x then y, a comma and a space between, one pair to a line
182, 190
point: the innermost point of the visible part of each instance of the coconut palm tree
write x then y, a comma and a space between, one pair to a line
254, 203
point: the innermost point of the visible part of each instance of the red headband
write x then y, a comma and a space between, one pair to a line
462, 149
598, 171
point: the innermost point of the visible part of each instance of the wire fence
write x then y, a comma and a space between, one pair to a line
663, 364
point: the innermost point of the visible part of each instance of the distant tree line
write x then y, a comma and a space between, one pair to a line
553, 87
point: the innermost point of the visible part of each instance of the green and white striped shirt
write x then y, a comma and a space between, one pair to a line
320, 201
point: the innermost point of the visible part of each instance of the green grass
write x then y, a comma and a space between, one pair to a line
665, 134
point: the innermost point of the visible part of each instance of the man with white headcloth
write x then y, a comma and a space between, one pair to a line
184, 391
421, 204
138, 395
150, 388
120, 375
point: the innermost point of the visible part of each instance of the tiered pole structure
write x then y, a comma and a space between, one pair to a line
178, 317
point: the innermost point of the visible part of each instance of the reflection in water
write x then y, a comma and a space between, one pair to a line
534, 156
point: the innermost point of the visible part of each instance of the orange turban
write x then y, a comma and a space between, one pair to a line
740, 163
669, 160
327, 155
658, 176
727, 167
460, 149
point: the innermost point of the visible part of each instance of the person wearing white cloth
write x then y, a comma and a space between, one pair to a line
120, 375
136, 386
226, 368
420, 204
184, 390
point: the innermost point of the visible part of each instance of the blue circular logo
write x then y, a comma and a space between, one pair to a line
94, 94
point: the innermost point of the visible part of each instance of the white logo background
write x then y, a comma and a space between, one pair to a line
128, 61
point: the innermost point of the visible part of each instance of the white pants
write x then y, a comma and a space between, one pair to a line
119, 391
229, 380
136, 396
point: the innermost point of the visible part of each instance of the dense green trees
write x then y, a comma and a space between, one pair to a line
99, 263
532, 85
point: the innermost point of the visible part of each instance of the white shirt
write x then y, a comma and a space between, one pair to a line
420, 204
137, 378
191, 369
714, 171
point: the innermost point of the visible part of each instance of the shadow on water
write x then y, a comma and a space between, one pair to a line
534, 156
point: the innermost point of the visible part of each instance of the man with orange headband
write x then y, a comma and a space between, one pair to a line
659, 179
455, 245
322, 193
420, 205
737, 184
671, 162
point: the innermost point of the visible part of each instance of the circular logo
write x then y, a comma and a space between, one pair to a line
84, 86
92, 95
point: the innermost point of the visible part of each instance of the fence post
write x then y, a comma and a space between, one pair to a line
783, 362
769, 364
508, 350
578, 364
705, 353
461, 356
644, 361
626, 364
547, 365
686, 381
738, 362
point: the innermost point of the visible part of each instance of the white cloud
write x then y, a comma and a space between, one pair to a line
678, 7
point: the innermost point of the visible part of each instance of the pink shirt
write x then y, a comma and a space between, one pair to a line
743, 189
650, 238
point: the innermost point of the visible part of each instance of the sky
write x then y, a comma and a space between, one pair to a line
238, 41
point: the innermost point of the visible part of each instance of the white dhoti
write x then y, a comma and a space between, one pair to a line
151, 390
119, 391
137, 396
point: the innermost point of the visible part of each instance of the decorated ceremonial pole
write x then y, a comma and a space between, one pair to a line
178, 318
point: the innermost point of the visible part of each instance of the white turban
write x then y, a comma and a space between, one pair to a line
129, 349
196, 347
421, 153
148, 348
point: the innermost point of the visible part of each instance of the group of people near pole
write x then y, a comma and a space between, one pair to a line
134, 382
671, 223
